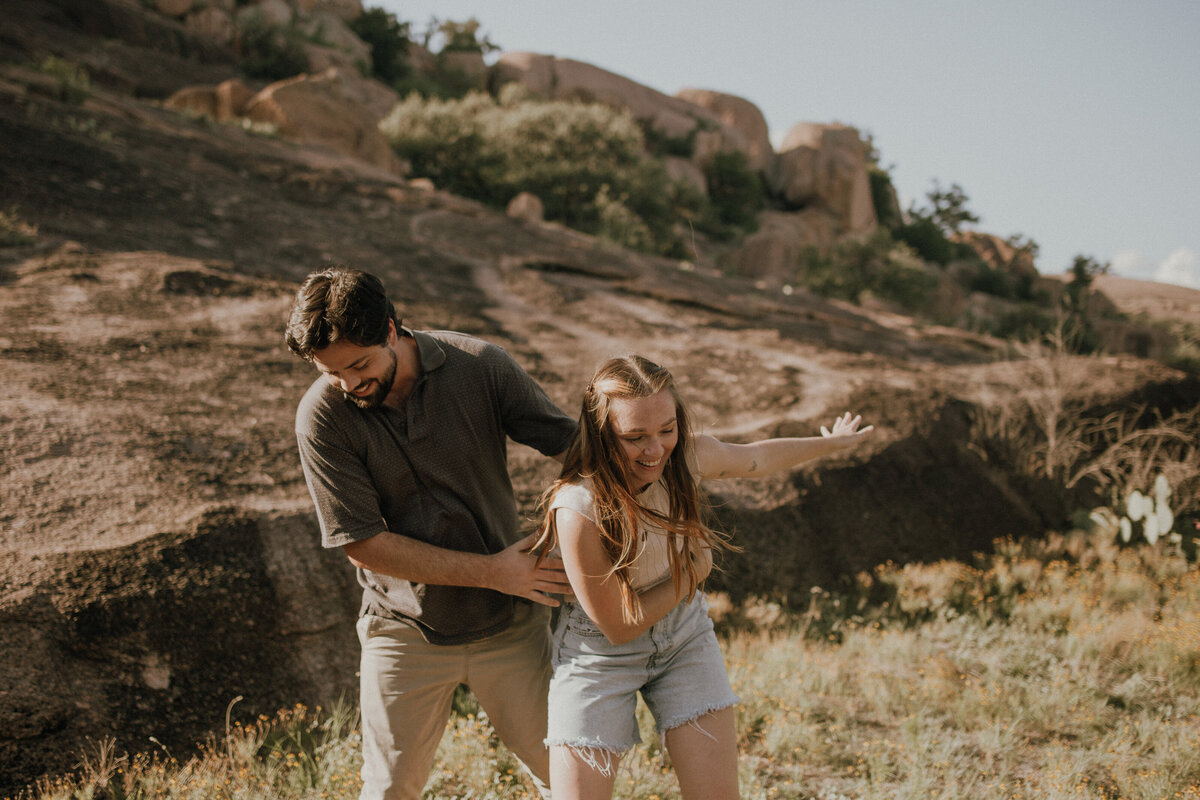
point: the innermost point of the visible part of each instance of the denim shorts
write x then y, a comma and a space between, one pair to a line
676, 665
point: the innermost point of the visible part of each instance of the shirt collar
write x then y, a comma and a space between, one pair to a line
429, 349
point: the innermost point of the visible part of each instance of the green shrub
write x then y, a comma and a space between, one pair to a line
877, 264
617, 223
389, 40
660, 144
928, 240
992, 281
1025, 323
585, 162
735, 190
443, 140
563, 153
14, 231
1186, 353
883, 198
74, 82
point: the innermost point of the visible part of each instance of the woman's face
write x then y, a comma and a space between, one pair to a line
646, 431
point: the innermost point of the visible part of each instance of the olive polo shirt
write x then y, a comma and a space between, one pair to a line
470, 397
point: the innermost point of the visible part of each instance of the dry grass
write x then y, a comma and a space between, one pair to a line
1061, 668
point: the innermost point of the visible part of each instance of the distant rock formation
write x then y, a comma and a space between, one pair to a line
673, 117
745, 118
332, 108
827, 165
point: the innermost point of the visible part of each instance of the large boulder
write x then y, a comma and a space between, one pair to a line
1002, 254
269, 12
744, 117
333, 43
173, 8
563, 78
212, 23
826, 166
223, 102
326, 109
772, 253
347, 10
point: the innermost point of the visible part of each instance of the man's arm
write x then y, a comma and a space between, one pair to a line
512, 571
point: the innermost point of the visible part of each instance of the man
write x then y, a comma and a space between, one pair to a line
403, 445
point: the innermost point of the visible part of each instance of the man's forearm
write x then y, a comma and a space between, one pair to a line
419, 562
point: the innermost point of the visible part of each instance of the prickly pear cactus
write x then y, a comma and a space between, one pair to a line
1152, 510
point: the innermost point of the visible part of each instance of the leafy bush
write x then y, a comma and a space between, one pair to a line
443, 140
660, 144
930, 230
584, 161
877, 264
928, 240
990, 280
74, 82
735, 190
389, 40
1024, 323
1186, 353
883, 198
564, 153
14, 231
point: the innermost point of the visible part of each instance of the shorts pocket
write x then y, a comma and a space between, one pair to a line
580, 624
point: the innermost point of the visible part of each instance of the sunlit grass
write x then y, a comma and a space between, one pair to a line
1050, 670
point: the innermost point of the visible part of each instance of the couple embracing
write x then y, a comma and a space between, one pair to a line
403, 443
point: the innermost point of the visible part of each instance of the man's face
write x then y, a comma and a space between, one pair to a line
364, 374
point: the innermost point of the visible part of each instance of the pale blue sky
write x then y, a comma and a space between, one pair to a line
1073, 122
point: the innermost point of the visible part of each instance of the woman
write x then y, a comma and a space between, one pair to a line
626, 515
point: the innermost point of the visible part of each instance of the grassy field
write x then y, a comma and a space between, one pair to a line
1058, 668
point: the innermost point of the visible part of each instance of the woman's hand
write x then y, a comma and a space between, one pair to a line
845, 425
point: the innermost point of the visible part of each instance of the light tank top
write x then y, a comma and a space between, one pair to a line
652, 563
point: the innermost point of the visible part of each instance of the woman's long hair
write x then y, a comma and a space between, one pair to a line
595, 453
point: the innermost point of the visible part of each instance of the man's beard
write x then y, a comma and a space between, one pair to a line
382, 387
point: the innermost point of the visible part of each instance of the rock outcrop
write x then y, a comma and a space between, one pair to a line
773, 252
745, 118
673, 117
826, 166
327, 109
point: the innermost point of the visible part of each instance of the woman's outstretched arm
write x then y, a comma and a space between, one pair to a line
717, 459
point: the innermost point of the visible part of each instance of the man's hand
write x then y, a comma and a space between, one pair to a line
515, 571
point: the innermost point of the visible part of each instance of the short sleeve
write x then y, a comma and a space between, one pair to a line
575, 497
529, 415
347, 505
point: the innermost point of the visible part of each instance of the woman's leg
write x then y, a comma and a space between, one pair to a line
704, 752
582, 775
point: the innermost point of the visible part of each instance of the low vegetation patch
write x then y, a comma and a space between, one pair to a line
586, 162
1066, 667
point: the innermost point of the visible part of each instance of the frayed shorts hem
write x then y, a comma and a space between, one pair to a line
689, 719
599, 757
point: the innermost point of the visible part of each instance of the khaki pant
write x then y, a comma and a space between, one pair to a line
407, 686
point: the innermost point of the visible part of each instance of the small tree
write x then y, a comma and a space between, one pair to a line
931, 230
949, 208
389, 39
1084, 270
